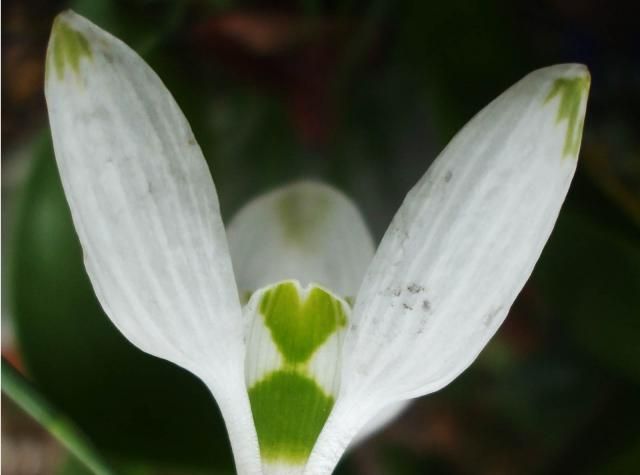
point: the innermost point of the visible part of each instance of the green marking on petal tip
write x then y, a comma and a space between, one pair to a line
280, 402
68, 47
570, 91
300, 212
299, 328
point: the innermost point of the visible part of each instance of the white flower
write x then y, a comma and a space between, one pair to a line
333, 333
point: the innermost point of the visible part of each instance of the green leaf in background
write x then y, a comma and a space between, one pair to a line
130, 404
627, 461
591, 272
58, 425
71, 466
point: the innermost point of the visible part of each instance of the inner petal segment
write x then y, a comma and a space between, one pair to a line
294, 340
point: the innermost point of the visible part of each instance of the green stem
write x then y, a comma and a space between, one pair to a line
25, 395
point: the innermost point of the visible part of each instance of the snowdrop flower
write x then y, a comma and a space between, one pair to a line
310, 333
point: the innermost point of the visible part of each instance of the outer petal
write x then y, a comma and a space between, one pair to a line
458, 251
384, 417
306, 231
146, 212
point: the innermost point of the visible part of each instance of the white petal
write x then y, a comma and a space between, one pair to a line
146, 212
306, 231
459, 250
383, 418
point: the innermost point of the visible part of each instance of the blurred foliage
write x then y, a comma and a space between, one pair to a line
22, 393
362, 95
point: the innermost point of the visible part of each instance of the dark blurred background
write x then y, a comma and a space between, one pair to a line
362, 95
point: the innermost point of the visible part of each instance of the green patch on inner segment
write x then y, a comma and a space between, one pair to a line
299, 327
301, 212
289, 411
570, 91
67, 49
